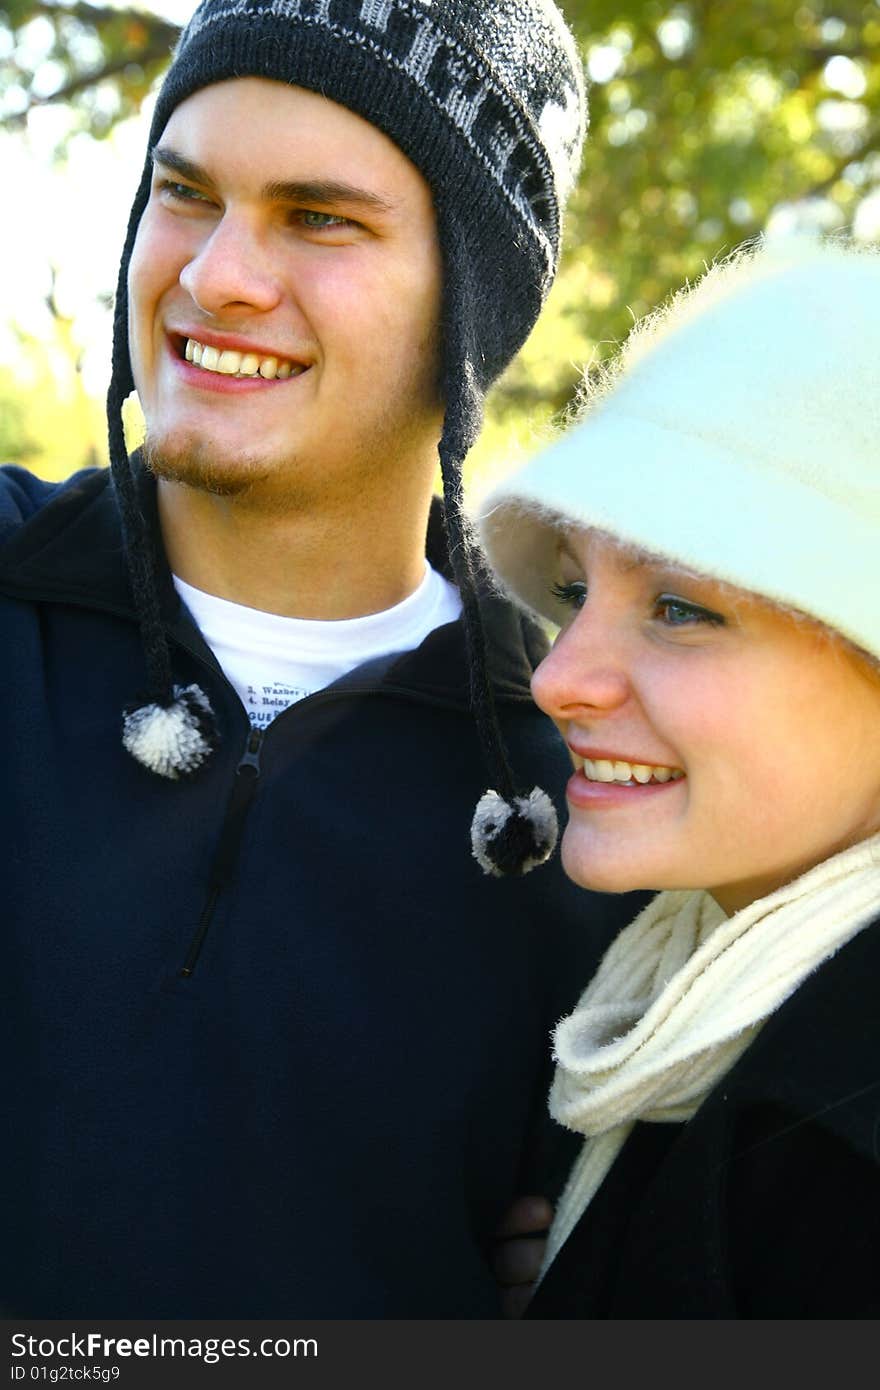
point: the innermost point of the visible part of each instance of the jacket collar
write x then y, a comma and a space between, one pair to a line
71, 551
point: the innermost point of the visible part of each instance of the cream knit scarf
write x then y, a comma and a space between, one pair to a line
677, 999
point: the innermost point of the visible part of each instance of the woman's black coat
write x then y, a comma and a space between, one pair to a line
766, 1204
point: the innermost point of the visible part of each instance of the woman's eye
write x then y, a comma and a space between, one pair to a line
679, 612
572, 595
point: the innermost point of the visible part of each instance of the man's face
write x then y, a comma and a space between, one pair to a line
292, 248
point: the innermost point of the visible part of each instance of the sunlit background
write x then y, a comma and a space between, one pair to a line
711, 121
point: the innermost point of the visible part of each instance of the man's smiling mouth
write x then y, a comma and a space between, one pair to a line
229, 362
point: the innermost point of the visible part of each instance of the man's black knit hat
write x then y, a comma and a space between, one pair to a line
486, 99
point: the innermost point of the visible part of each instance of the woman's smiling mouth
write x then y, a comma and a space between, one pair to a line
623, 773
601, 783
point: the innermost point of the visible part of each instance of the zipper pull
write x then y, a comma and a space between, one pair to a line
253, 749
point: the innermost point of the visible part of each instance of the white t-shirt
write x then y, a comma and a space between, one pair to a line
273, 661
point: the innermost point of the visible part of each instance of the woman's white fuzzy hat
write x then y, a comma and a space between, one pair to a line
738, 434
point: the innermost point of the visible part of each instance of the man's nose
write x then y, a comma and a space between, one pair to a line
584, 675
232, 269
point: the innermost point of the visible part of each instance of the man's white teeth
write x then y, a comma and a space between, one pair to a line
230, 363
604, 770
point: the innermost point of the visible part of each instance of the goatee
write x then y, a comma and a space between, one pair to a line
202, 466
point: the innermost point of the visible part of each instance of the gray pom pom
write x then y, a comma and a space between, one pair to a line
174, 740
512, 837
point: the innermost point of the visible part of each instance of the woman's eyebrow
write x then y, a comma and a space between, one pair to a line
327, 192
626, 558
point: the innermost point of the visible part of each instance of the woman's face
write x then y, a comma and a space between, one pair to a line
718, 743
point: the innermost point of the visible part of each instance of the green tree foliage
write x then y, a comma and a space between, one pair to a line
98, 60
708, 119
16, 440
48, 421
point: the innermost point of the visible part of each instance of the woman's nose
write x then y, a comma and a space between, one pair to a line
232, 269
584, 673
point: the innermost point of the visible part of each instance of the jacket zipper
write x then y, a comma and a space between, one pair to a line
229, 843
244, 787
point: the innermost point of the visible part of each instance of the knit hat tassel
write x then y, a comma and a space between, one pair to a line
173, 738
172, 731
512, 834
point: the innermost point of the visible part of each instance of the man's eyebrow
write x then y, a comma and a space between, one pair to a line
327, 192
170, 159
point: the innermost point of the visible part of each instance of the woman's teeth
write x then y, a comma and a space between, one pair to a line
629, 774
230, 363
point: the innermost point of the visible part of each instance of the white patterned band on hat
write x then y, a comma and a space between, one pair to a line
504, 76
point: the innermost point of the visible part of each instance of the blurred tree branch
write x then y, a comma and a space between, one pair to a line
118, 52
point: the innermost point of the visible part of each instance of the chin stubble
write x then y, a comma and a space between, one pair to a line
198, 466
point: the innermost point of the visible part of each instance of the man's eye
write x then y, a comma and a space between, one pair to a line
316, 220
184, 192
572, 595
679, 612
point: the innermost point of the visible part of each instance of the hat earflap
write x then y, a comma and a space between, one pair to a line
511, 833
172, 730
